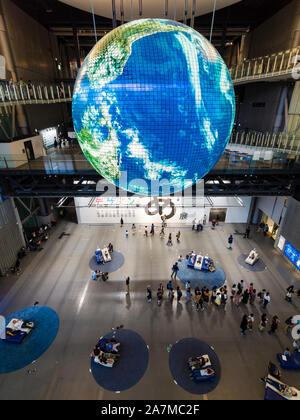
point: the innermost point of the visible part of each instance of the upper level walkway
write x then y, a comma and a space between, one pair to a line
280, 66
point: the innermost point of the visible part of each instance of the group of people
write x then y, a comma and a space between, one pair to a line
97, 274
248, 321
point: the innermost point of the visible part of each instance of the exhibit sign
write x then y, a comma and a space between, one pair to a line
281, 243
292, 254
153, 99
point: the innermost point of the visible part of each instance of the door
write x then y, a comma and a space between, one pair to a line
29, 150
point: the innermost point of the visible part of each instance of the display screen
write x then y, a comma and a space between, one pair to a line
292, 254
154, 100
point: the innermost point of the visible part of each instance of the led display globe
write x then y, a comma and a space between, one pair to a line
153, 104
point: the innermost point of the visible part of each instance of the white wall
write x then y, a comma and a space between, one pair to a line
15, 151
98, 214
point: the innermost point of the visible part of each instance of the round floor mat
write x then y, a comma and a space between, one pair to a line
117, 260
199, 278
258, 266
178, 363
130, 367
46, 324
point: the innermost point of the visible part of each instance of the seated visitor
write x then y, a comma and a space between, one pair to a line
208, 372
202, 361
95, 275
110, 247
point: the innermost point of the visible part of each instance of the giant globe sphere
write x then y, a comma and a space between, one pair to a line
153, 105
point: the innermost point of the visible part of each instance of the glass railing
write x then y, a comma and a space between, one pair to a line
282, 63
233, 159
34, 93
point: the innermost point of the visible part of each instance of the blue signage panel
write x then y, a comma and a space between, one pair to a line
292, 254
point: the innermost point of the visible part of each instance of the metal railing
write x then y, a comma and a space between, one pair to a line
282, 142
18, 93
279, 65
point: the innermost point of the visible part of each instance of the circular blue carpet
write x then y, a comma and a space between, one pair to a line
178, 363
117, 260
201, 278
130, 367
46, 324
258, 266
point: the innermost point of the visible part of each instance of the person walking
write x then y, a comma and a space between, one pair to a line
267, 299
274, 324
251, 287
152, 230
178, 236
193, 224
170, 240
175, 270
149, 294
230, 241
179, 294
127, 282
263, 322
126, 234
244, 324
121, 222
159, 297
247, 232
169, 285
266, 229
204, 219
146, 232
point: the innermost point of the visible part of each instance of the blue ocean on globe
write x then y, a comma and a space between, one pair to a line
153, 104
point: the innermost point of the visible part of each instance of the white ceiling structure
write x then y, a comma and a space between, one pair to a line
150, 8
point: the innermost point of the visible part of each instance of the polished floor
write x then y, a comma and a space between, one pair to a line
59, 276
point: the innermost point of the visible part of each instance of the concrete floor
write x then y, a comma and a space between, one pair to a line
59, 276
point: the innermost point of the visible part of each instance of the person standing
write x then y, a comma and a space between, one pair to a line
241, 286
149, 294
289, 294
224, 299
252, 297
199, 301
267, 299
204, 219
146, 231
188, 295
230, 241
233, 292
274, 324
261, 295
251, 287
127, 281
237, 297
170, 239
179, 294
263, 322
175, 270
193, 224
213, 295
171, 295
244, 324
250, 322
245, 297
126, 234
121, 222
159, 297
178, 236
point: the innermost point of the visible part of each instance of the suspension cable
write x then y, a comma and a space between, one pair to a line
213, 20
94, 22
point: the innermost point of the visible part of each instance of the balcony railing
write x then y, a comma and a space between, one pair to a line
12, 93
281, 141
280, 65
